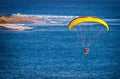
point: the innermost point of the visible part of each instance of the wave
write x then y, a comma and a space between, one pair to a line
60, 20
53, 20
49, 20
19, 27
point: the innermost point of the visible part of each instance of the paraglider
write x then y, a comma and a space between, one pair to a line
85, 50
84, 19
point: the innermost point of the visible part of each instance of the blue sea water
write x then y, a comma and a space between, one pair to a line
49, 50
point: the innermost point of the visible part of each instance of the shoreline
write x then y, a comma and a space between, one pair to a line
14, 27
5, 21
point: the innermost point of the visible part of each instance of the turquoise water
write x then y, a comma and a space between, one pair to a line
50, 51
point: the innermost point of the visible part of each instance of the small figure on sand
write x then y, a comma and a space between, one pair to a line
18, 14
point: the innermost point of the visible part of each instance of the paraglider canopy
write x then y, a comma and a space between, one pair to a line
87, 34
87, 19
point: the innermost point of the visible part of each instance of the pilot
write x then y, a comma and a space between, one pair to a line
85, 50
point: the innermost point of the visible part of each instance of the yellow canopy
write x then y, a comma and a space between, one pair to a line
87, 19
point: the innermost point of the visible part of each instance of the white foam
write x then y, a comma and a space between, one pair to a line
60, 20
19, 27
46, 16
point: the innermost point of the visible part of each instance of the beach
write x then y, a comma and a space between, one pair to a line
5, 21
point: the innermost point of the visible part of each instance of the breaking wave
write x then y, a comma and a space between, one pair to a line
53, 20
61, 20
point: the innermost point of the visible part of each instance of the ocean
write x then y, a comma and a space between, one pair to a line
48, 50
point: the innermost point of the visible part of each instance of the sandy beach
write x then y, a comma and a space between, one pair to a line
5, 21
